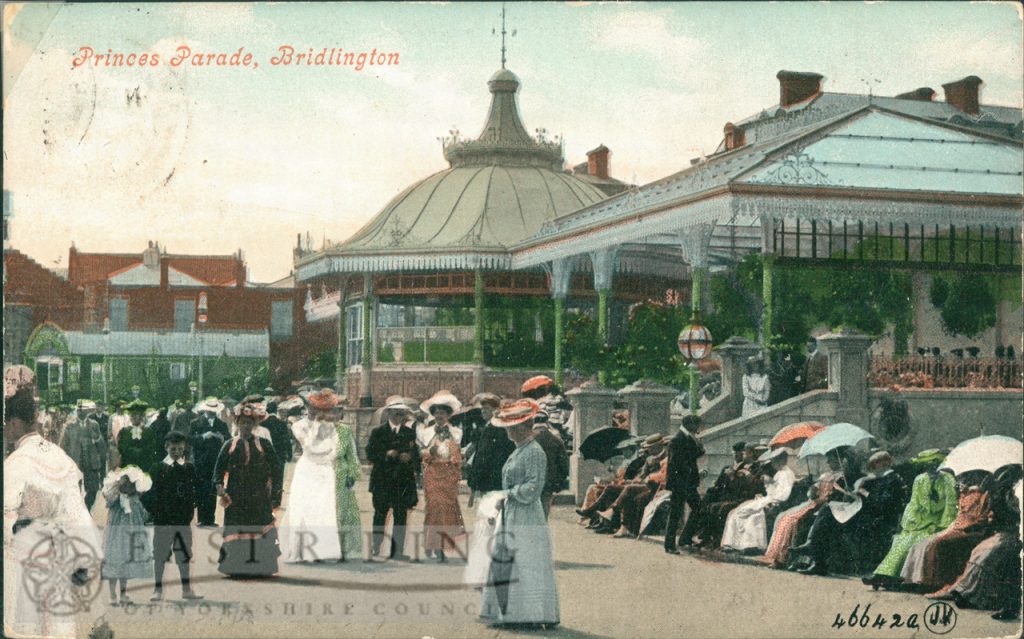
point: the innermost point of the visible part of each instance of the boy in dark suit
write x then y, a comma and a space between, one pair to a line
395, 457
172, 502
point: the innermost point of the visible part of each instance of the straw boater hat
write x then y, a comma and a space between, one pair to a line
395, 403
656, 439
513, 413
323, 399
211, 405
86, 405
535, 382
442, 398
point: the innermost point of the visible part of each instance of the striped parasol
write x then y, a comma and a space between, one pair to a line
796, 434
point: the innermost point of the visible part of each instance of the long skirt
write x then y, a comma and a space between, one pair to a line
127, 548
309, 531
249, 551
786, 526
892, 564
746, 526
532, 593
913, 566
946, 557
442, 517
350, 529
992, 579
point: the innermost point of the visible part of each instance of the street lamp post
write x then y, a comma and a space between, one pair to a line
695, 345
203, 308
192, 388
106, 353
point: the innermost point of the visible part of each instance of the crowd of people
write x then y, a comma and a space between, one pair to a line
160, 471
913, 527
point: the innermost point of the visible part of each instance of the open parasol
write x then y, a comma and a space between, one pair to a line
989, 452
602, 444
795, 434
834, 436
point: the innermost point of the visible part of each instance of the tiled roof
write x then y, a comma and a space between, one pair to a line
214, 270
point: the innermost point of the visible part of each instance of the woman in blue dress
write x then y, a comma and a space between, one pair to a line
521, 587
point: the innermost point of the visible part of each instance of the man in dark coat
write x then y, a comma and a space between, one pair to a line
682, 478
492, 450
183, 421
83, 441
207, 434
557, 476
280, 436
395, 457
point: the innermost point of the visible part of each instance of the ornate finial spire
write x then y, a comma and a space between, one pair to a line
504, 32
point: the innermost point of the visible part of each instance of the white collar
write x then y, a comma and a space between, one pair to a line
171, 462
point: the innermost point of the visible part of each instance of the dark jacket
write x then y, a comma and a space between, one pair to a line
172, 499
683, 452
493, 448
392, 475
280, 436
558, 461
205, 450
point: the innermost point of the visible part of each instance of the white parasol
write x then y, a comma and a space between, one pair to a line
989, 452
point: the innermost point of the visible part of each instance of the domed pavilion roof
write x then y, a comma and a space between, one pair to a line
499, 190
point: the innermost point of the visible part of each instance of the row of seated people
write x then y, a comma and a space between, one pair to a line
951, 538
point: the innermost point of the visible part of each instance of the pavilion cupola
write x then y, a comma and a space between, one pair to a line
504, 140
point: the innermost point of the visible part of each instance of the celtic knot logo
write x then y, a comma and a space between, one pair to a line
60, 574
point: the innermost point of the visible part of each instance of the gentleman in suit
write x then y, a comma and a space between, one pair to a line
280, 436
683, 478
182, 422
207, 434
557, 477
83, 441
395, 457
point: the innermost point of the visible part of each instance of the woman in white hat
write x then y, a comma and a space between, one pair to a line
521, 587
309, 531
442, 470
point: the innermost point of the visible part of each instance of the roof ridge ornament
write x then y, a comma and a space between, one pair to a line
503, 33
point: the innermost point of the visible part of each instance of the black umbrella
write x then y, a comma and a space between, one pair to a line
602, 444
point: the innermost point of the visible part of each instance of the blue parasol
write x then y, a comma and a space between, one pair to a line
834, 436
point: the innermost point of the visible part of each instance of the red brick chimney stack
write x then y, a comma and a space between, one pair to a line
797, 86
597, 162
924, 94
735, 137
963, 94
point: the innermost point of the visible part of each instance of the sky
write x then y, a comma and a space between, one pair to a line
209, 160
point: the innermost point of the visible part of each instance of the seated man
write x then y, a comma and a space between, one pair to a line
630, 466
628, 508
730, 490
601, 496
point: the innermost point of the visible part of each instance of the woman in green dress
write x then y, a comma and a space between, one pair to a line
932, 508
346, 473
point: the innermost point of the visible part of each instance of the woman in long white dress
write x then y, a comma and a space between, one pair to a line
756, 387
47, 528
310, 528
746, 527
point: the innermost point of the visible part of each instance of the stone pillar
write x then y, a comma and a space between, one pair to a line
735, 352
365, 375
561, 279
559, 330
603, 263
591, 410
649, 407
848, 366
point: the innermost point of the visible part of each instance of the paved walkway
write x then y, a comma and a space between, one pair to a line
608, 588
